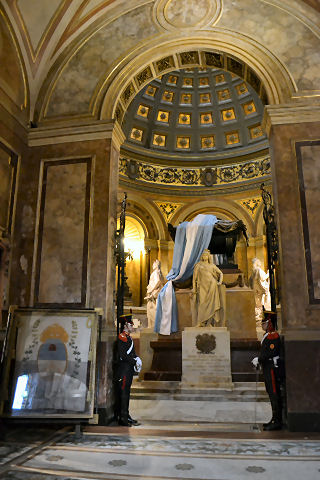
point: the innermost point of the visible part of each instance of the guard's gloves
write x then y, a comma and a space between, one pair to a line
275, 361
255, 362
138, 365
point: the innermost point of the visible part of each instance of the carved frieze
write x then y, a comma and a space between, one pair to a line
144, 76
203, 176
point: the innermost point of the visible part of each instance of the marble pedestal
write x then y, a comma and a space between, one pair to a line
147, 336
184, 307
206, 358
240, 313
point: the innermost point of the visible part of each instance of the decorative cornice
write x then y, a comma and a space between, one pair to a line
300, 335
146, 173
75, 133
169, 191
291, 113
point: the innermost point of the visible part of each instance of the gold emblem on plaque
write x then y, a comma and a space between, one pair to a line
249, 107
136, 134
232, 137
184, 118
163, 116
183, 142
224, 95
143, 111
206, 118
151, 90
228, 114
167, 96
255, 131
159, 140
203, 81
207, 142
205, 98
241, 89
186, 98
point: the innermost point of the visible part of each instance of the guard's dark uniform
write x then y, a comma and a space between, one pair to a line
125, 370
271, 362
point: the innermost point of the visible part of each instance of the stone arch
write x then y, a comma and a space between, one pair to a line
125, 72
227, 208
275, 77
13, 75
148, 214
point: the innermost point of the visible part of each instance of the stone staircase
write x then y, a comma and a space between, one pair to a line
245, 402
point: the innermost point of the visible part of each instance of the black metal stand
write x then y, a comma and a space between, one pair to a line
120, 260
272, 244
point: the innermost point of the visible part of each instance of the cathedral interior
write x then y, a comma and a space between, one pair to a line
184, 108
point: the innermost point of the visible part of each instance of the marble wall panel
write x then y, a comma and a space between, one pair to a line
281, 32
103, 227
63, 233
79, 79
308, 158
296, 310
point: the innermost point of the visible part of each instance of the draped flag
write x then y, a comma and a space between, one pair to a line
192, 238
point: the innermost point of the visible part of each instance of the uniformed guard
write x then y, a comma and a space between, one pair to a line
272, 365
128, 363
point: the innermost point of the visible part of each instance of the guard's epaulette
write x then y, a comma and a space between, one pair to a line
123, 337
273, 335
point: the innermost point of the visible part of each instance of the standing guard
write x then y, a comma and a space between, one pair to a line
270, 358
128, 363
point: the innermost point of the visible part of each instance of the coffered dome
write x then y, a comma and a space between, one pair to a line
197, 113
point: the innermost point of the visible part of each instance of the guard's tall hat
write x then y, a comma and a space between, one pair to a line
123, 319
271, 318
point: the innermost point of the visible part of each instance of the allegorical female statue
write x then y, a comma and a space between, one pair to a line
259, 282
156, 282
207, 298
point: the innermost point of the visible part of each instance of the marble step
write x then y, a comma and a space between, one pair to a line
241, 392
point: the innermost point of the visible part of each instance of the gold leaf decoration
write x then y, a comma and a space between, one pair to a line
168, 209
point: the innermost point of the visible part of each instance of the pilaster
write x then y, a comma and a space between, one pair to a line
294, 133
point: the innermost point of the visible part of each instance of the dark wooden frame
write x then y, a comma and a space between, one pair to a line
8, 366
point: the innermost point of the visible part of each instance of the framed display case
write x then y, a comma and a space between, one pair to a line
49, 370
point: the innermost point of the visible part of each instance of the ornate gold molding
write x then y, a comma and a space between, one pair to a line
251, 205
247, 171
168, 209
219, 48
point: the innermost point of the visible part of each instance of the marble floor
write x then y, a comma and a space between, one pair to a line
158, 450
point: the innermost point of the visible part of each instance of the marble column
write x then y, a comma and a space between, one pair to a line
294, 133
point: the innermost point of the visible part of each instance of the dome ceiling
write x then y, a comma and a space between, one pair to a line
200, 113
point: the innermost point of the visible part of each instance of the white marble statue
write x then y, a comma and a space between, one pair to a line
207, 298
259, 282
156, 282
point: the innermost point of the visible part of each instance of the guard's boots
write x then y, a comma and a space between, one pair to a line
133, 421
276, 421
124, 410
